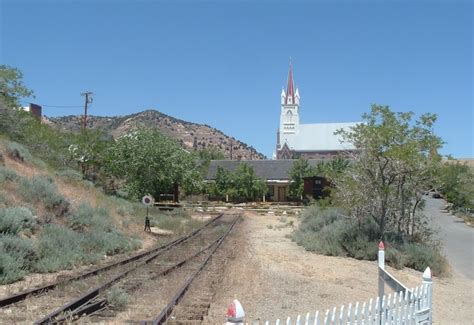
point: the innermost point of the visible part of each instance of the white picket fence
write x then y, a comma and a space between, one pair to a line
411, 307
403, 307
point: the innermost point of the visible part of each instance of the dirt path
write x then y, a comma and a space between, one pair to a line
274, 278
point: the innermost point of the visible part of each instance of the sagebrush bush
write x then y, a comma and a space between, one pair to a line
15, 219
18, 152
164, 221
117, 298
7, 174
327, 231
70, 175
17, 257
42, 189
60, 248
419, 256
86, 217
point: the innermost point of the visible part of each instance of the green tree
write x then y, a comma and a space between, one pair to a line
12, 88
246, 185
152, 163
298, 172
394, 163
88, 150
223, 183
456, 182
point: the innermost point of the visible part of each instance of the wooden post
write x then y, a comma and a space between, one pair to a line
381, 267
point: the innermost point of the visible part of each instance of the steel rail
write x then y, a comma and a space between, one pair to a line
100, 304
37, 291
166, 312
82, 300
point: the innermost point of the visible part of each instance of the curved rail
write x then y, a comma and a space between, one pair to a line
36, 291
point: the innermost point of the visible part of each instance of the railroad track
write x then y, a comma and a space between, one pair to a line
197, 310
112, 269
94, 302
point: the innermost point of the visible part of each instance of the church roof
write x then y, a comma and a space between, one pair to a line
265, 169
320, 137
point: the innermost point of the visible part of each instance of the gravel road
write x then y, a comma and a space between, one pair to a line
457, 237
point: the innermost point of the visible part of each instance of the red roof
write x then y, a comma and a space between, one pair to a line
290, 88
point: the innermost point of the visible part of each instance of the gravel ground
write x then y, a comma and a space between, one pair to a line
274, 278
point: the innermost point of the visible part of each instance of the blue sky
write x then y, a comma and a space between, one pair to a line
224, 63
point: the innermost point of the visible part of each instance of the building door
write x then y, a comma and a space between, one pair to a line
281, 193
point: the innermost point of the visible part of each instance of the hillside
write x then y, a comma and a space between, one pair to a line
53, 220
189, 135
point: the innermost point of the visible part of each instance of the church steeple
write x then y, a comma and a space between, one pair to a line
290, 88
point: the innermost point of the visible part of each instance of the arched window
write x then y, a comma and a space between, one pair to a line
289, 116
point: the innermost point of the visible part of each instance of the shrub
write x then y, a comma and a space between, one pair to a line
164, 221
109, 242
86, 217
328, 232
42, 189
18, 152
118, 298
7, 175
419, 256
59, 248
70, 175
13, 220
17, 256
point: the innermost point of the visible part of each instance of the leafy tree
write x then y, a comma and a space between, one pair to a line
12, 87
223, 183
88, 150
394, 164
457, 184
246, 184
298, 172
151, 163
205, 156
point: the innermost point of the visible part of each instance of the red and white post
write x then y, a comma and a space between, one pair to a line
235, 313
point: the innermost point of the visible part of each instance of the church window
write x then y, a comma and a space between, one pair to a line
289, 116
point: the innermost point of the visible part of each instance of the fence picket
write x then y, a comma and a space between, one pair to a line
355, 316
364, 313
316, 318
307, 319
277, 322
288, 321
326, 318
349, 313
333, 317
298, 320
341, 315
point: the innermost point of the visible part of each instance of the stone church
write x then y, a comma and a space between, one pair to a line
309, 141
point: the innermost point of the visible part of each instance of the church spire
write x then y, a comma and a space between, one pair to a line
290, 88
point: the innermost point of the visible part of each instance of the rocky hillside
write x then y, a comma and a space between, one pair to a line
189, 135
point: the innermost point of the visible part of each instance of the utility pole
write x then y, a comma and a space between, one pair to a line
88, 100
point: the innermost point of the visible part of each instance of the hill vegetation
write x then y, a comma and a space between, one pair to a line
191, 136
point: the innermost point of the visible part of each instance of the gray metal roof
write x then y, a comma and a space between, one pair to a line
266, 169
320, 136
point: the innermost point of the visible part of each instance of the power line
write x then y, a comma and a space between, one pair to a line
53, 106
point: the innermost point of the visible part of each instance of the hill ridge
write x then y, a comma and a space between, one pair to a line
188, 134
